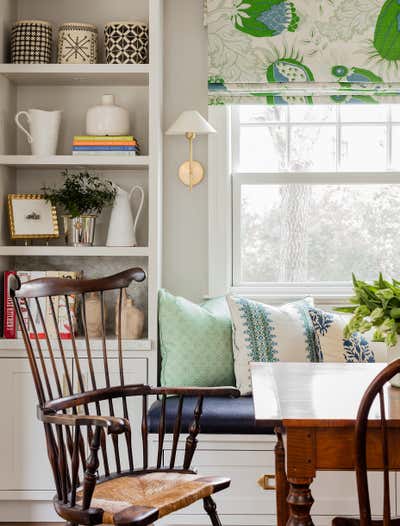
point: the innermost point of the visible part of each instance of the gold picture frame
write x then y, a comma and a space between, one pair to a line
32, 217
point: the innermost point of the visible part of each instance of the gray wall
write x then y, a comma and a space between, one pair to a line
185, 213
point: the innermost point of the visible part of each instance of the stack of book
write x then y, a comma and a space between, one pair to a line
11, 329
125, 145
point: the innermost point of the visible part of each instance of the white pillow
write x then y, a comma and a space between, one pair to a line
334, 347
262, 333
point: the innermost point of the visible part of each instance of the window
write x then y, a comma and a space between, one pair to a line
315, 195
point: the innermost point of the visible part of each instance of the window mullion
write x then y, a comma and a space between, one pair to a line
338, 139
389, 130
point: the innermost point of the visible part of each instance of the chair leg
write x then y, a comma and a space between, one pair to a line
211, 509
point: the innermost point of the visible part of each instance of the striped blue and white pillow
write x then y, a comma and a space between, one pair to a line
264, 333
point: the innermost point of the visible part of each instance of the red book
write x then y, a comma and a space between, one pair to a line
10, 318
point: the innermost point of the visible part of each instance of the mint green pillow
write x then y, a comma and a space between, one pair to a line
196, 342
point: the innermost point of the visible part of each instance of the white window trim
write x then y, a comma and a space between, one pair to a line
221, 219
219, 203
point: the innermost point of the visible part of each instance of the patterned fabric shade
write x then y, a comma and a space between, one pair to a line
303, 51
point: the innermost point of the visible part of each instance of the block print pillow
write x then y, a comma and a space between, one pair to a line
332, 346
264, 333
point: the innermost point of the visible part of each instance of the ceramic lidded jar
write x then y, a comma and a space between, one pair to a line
77, 43
107, 118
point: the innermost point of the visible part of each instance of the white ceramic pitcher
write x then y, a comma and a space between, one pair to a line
122, 228
44, 129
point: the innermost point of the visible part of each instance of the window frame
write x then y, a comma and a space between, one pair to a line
224, 185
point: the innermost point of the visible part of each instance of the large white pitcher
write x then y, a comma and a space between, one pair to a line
122, 228
44, 128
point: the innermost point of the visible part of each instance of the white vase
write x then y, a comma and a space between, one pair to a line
393, 353
122, 228
44, 128
107, 119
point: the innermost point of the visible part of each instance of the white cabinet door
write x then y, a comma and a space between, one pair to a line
244, 468
23, 455
335, 493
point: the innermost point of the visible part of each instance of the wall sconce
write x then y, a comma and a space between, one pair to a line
190, 124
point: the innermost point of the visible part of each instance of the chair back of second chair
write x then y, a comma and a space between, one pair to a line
376, 399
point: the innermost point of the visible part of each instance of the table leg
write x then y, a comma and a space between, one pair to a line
300, 501
282, 486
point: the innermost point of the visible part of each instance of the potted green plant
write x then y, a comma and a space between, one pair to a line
82, 198
376, 306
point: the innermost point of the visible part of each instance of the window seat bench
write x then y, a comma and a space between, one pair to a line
220, 416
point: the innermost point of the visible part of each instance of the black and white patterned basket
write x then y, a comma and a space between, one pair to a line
31, 42
126, 42
77, 43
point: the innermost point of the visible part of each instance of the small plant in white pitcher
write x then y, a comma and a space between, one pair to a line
82, 198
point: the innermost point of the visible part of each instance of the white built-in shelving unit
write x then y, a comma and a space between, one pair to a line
74, 89
69, 161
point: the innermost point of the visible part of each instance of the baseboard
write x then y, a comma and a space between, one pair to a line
28, 512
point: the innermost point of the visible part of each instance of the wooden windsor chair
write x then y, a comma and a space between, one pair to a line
98, 487
375, 393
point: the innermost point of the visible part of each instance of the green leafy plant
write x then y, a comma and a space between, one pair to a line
81, 194
375, 305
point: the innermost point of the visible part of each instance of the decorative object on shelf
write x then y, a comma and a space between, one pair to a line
107, 119
32, 217
93, 315
77, 43
126, 42
79, 231
44, 129
376, 306
122, 228
132, 318
12, 330
125, 145
191, 124
82, 197
31, 42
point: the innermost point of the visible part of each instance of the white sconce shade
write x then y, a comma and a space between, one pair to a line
190, 122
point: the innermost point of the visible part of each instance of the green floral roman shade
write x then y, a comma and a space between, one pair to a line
303, 51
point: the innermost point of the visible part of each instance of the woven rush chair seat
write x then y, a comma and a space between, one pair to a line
156, 494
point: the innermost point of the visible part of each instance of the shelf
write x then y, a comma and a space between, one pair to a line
73, 251
77, 74
95, 345
57, 161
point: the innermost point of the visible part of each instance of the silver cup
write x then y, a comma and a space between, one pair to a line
79, 231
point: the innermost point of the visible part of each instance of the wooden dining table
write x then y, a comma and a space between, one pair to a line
313, 408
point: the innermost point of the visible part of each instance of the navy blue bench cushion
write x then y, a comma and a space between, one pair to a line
220, 415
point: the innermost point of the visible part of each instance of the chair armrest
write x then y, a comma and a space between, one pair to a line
113, 425
232, 392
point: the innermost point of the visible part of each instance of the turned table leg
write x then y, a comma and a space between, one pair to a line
300, 501
282, 486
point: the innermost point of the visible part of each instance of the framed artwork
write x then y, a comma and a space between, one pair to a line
32, 217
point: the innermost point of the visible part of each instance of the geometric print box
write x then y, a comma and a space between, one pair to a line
334, 347
263, 333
